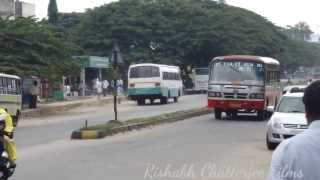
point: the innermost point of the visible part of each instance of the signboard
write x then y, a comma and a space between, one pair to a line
93, 61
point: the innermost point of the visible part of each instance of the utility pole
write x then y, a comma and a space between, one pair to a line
116, 61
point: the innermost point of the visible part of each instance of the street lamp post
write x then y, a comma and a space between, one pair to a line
116, 61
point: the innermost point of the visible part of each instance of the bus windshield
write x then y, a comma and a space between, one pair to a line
246, 73
144, 72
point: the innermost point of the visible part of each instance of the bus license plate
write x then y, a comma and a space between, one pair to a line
235, 105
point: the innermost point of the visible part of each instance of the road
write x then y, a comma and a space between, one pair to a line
201, 148
43, 131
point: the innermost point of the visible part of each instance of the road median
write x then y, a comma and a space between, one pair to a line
49, 110
112, 127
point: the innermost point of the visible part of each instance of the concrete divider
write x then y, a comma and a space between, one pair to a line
99, 133
49, 110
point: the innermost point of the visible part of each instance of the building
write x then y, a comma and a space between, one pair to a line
315, 38
24, 9
11, 9
7, 8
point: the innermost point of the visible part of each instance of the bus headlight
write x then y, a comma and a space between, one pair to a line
214, 94
256, 96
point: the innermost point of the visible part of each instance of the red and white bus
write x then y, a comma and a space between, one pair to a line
242, 83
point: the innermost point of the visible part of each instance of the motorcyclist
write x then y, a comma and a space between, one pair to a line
8, 129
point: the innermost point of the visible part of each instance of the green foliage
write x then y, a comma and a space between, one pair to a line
53, 11
28, 47
187, 33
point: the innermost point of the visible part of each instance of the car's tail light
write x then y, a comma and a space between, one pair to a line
132, 85
157, 84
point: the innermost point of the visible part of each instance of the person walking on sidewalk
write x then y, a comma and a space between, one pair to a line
105, 86
98, 88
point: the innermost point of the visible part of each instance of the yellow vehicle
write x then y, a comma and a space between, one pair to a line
10, 95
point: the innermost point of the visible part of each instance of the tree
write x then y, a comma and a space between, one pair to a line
53, 11
187, 33
28, 48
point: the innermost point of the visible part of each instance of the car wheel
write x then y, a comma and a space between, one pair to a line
270, 145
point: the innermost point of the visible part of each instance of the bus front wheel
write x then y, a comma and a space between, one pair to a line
218, 114
261, 115
175, 99
164, 100
141, 102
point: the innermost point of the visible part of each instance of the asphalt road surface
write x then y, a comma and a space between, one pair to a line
200, 148
33, 132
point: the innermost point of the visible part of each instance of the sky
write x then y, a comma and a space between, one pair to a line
280, 12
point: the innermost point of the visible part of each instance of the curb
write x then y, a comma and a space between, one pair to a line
48, 111
86, 135
152, 121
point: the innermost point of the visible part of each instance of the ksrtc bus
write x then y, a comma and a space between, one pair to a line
243, 84
154, 81
10, 95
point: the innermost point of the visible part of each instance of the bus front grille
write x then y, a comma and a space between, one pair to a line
235, 95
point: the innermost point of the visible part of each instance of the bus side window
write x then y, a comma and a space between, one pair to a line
5, 85
1, 86
18, 86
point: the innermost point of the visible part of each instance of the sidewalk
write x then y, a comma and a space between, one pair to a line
47, 109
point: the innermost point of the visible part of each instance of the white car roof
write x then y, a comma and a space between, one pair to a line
294, 86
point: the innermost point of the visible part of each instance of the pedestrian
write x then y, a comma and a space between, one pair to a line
98, 88
34, 92
105, 85
298, 158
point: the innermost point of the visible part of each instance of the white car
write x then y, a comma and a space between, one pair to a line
293, 89
288, 120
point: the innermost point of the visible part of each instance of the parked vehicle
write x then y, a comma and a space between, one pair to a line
154, 81
243, 83
287, 121
10, 95
200, 77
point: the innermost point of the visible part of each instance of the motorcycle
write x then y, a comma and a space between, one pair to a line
5, 170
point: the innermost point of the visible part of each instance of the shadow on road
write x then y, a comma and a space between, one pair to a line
242, 117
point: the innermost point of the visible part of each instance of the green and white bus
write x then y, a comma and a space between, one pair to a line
154, 81
10, 95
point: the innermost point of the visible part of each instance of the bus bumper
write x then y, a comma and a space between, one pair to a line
135, 93
236, 104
